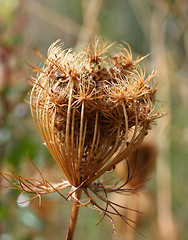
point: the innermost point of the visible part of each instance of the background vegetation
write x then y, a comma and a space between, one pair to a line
158, 27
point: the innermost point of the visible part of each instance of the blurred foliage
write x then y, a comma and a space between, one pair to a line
28, 24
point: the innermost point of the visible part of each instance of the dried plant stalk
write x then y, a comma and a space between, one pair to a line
74, 215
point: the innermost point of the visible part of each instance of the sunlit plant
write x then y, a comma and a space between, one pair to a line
92, 109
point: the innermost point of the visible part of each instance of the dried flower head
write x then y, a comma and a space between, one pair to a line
92, 110
87, 105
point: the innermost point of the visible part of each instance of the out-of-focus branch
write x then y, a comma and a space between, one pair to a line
54, 18
179, 8
164, 211
91, 9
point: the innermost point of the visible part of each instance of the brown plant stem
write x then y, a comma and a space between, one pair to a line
74, 215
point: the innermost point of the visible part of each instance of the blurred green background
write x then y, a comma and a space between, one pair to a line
159, 27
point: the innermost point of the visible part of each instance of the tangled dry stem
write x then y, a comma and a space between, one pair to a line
95, 195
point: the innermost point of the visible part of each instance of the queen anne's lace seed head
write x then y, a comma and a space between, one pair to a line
91, 109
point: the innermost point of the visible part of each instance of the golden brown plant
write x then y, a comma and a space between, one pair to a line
92, 110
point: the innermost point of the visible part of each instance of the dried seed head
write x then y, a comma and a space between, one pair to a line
87, 105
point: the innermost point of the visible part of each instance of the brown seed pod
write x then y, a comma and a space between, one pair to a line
85, 104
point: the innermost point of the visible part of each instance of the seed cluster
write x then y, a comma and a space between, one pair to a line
91, 109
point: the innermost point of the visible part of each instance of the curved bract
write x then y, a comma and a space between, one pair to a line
91, 109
